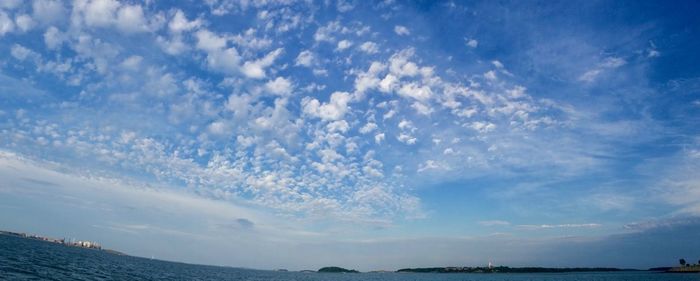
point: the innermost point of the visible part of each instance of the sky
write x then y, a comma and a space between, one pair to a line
369, 135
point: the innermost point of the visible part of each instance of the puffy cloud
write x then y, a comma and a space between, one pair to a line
422, 108
482, 127
24, 22
338, 126
256, 69
130, 19
415, 91
344, 6
227, 60
327, 33
173, 46
20, 52
472, 43
379, 138
343, 44
369, 47
126, 18
209, 41
6, 23
490, 75
219, 128
401, 66
100, 13
305, 58
369, 80
48, 11
401, 30
53, 38
407, 138
279, 86
333, 110
368, 128
132, 63
179, 23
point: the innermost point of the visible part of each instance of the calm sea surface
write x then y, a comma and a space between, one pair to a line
25, 259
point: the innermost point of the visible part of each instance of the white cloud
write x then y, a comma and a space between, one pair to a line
497, 64
20, 52
490, 75
174, 46
179, 23
590, 76
369, 47
401, 30
344, 6
219, 128
256, 69
127, 18
388, 84
326, 33
472, 43
550, 226
432, 165
343, 44
130, 19
482, 127
305, 58
368, 128
48, 11
415, 91
607, 64
333, 110
24, 22
422, 108
369, 80
209, 41
100, 13
494, 223
406, 125
612, 62
338, 126
406, 138
401, 66
653, 53
132, 63
280, 86
378, 138
6, 23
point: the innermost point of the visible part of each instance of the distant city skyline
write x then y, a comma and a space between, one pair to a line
368, 135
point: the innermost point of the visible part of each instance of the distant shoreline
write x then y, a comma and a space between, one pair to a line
58, 242
506, 269
446, 270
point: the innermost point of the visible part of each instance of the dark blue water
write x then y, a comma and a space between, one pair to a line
26, 259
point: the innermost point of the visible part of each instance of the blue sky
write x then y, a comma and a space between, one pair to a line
296, 134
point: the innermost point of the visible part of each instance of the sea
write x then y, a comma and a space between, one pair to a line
27, 259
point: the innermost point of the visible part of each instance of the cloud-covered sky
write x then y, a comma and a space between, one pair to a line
373, 135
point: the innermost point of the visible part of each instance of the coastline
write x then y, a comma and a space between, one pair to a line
441, 270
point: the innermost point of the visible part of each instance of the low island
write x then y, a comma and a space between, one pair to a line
685, 267
335, 269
